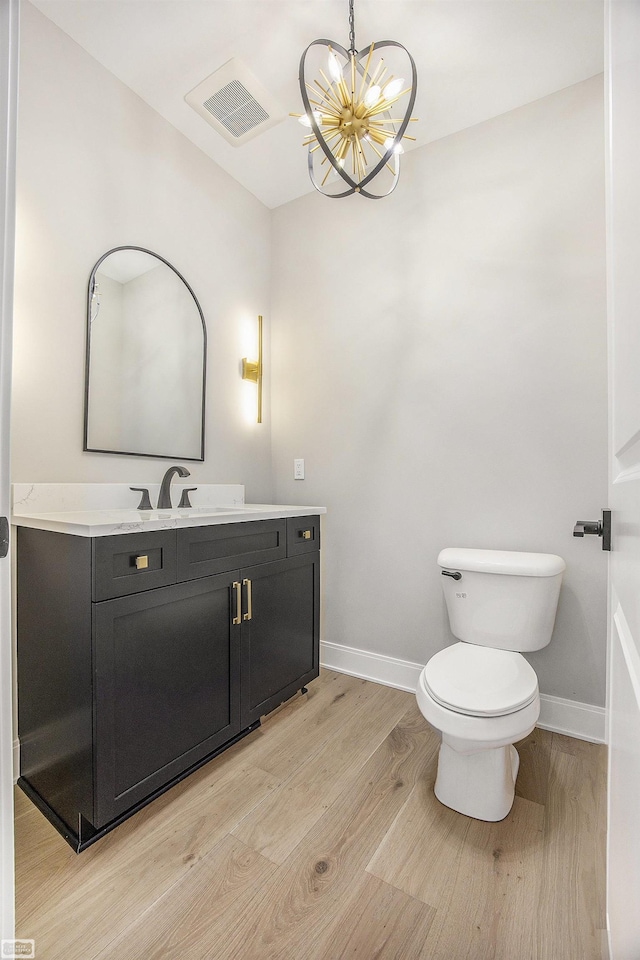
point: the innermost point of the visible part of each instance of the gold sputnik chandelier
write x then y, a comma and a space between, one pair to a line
357, 113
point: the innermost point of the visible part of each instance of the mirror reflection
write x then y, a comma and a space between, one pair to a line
146, 355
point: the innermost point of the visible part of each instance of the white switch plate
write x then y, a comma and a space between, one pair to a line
298, 469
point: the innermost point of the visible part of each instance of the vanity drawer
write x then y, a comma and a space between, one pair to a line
205, 551
133, 562
303, 535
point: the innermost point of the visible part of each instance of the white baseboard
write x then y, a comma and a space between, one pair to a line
581, 720
402, 674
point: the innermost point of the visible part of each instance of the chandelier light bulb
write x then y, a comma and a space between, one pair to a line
335, 67
305, 120
335, 172
372, 96
397, 147
393, 88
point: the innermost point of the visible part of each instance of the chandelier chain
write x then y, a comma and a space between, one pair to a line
352, 28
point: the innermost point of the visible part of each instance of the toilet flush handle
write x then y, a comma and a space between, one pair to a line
448, 573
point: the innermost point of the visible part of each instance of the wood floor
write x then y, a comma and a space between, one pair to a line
318, 837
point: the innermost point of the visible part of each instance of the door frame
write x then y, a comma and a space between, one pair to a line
622, 76
9, 50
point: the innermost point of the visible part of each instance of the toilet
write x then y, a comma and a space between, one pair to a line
481, 693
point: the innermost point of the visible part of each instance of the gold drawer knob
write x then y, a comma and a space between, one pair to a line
305, 534
142, 562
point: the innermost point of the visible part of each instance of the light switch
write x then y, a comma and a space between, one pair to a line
298, 469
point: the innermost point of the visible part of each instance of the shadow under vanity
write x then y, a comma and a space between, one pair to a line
149, 643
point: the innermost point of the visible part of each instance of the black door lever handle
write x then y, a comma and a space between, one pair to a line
4, 537
596, 528
585, 527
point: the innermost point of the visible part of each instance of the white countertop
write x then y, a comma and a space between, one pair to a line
33, 508
105, 523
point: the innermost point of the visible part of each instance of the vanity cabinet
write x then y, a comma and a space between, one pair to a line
143, 655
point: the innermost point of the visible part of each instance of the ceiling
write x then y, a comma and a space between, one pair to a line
475, 59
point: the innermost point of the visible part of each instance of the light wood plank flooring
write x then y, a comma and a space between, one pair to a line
319, 837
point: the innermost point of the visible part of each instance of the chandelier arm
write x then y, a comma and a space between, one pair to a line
318, 186
381, 196
316, 129
394, 183
403, 126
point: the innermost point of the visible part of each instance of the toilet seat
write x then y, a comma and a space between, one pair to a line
479, 681
476, 732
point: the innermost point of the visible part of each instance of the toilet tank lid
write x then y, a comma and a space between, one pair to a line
507, 562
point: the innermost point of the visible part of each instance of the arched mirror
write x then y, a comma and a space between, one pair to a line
146, 359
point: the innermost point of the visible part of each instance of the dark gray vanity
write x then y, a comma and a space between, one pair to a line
143, 655
149, 640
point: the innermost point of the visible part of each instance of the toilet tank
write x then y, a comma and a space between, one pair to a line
502, 599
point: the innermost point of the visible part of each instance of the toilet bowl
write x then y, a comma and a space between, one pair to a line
481, 693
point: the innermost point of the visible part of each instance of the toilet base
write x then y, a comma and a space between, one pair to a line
479, 784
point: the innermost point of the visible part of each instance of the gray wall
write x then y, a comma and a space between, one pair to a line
439, 360
438, 357
98, 168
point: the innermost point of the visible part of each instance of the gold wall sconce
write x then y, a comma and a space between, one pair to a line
252, 370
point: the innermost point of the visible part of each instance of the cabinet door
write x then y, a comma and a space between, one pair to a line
280, 632
167, 687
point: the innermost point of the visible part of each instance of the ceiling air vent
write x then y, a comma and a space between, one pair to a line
235, 103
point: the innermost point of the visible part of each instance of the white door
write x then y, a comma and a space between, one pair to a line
8, 107
623, 270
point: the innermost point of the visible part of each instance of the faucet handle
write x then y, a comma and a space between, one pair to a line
145, 502
184, 499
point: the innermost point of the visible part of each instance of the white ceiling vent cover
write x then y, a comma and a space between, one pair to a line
235, 103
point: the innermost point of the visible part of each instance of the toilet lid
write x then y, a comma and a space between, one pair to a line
480, 681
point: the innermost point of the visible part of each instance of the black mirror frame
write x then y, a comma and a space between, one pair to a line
130, 453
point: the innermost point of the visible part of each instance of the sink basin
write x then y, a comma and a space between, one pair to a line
200, 509
241, 508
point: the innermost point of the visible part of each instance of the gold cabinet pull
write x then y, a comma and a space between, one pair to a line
238, 588
305, 534
142, 563
249, 614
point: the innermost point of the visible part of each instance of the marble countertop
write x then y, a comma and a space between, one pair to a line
77, 511
106, 523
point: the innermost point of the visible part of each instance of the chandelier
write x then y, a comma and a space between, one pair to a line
356, 110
